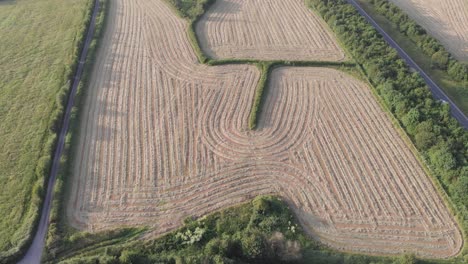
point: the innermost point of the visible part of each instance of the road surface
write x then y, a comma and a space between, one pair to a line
437, 92
34, 253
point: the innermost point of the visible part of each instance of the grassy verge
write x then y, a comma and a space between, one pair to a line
218, 237
61, 238
261, 231
456, 90
41, 41
397, 89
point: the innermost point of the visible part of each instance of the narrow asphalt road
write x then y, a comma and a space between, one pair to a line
437, 92
34, 253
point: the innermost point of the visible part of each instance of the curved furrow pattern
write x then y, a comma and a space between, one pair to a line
164, 138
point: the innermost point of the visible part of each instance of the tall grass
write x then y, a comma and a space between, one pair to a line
40, 44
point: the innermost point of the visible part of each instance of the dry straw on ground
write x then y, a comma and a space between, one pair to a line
447, 20
267, 30
164, 138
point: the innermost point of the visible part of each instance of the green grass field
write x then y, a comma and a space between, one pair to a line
457, 91
39, 42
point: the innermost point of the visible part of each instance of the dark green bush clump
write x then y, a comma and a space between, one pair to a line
262, 231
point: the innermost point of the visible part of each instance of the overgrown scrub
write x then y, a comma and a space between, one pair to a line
191, 9
261, 231
41, 41
439, 138
259, 97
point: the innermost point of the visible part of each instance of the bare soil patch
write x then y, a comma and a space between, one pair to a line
266, 30
164, 138
446, 20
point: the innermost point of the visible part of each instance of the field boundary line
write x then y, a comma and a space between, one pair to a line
34, 253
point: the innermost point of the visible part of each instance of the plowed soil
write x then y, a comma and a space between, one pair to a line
164, 138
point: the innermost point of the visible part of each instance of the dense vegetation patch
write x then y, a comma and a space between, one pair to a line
439, 138
244, 234
441, 58
449, 73
191, 9
260, 95
261, 231
40, 43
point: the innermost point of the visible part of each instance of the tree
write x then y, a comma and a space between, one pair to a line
254, 246
425, 135
442, 159
440, 59
411, 120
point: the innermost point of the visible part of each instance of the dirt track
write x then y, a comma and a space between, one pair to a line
446, 20
266, 30
164, 137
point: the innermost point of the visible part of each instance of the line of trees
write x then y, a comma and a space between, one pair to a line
441, 58
438, 136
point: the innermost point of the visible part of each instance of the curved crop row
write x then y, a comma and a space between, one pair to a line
164, 138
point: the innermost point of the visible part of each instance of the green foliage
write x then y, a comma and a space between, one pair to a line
254, 246
191, 9
59, 239
40, 42
440, 59
439, 138
264, 231
215, 241
449, 77
429, 45
260, 94
246, 244
190, 237
407, 259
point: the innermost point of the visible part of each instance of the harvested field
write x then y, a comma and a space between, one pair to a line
446, 20
266, 30
163, 138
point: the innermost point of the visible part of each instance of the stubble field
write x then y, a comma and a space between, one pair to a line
267, 30
164, 138
446, 20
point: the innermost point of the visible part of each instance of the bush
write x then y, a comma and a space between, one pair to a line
441, 59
